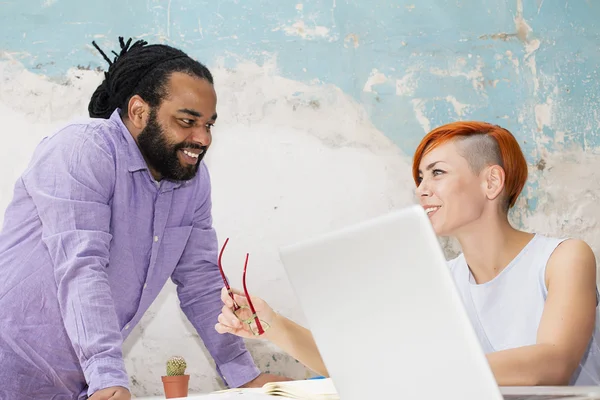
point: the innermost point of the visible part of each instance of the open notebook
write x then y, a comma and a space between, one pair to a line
311, 389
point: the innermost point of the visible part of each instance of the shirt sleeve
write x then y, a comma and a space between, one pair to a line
199, 284
71, 181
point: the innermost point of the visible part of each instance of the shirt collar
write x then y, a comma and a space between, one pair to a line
134, 156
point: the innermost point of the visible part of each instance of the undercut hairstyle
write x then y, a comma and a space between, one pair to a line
480, 151
481, 144
140, 69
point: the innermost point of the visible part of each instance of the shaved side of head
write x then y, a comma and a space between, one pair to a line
480, 151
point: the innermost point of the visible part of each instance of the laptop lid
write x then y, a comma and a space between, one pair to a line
385, 314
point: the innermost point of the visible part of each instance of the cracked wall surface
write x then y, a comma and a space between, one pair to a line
339, 93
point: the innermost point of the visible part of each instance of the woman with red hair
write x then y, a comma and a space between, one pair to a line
532, 299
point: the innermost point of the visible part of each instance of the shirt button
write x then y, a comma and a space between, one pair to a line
156, 238
145, 285
127, 327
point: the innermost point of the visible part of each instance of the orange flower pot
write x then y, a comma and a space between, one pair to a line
176, 386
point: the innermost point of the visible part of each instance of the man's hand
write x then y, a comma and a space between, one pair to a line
262, 379
112, 393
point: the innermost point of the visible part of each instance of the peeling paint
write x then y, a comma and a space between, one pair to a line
299, 28
499, 36
376, 78
419, 110
475, 76
531, 46
169, 18
459, 108
351, 38
530, 62
514, 60
543, 114
200, 29
406, 85
522, 27
568, 202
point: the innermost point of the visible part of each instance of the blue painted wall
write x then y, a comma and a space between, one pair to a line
529, 65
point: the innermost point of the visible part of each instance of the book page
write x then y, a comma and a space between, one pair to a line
311, 389
317, 389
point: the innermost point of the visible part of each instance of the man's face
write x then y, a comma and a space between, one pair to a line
178, 132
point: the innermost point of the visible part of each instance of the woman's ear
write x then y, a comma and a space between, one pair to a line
495, 179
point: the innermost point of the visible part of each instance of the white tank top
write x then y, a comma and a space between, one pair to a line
506, 311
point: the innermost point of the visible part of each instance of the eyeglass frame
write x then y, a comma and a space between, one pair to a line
236, 306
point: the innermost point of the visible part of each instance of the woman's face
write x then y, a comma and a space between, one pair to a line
450, 192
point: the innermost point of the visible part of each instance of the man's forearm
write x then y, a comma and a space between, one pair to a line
88, 311
234, 362
90, 320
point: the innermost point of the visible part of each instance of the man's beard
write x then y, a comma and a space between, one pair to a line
161, 155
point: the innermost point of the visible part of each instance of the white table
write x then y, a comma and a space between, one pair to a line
216, 396
583, 391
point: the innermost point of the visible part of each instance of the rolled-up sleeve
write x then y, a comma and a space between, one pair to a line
199, 284
71, 183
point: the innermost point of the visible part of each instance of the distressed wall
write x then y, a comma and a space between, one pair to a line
317, 87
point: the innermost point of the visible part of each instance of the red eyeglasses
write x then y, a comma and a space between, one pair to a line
256, 325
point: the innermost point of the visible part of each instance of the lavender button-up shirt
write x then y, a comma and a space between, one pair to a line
88, 242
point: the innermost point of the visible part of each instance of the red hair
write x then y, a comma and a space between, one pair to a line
513, 160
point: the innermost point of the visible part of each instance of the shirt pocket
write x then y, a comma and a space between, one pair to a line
170, 250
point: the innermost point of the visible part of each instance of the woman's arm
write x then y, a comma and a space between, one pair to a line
566, 326
298, 342
292, 338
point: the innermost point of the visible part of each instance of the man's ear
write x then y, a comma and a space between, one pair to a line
138, 111
495, 179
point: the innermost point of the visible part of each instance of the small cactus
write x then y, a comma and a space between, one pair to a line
176, 366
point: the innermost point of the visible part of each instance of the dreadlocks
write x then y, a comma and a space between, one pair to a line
143, 70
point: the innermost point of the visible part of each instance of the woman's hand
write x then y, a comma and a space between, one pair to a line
231, 322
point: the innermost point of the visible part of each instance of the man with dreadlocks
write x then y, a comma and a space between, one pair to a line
107, 211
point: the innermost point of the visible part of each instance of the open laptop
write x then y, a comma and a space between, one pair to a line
389, 323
